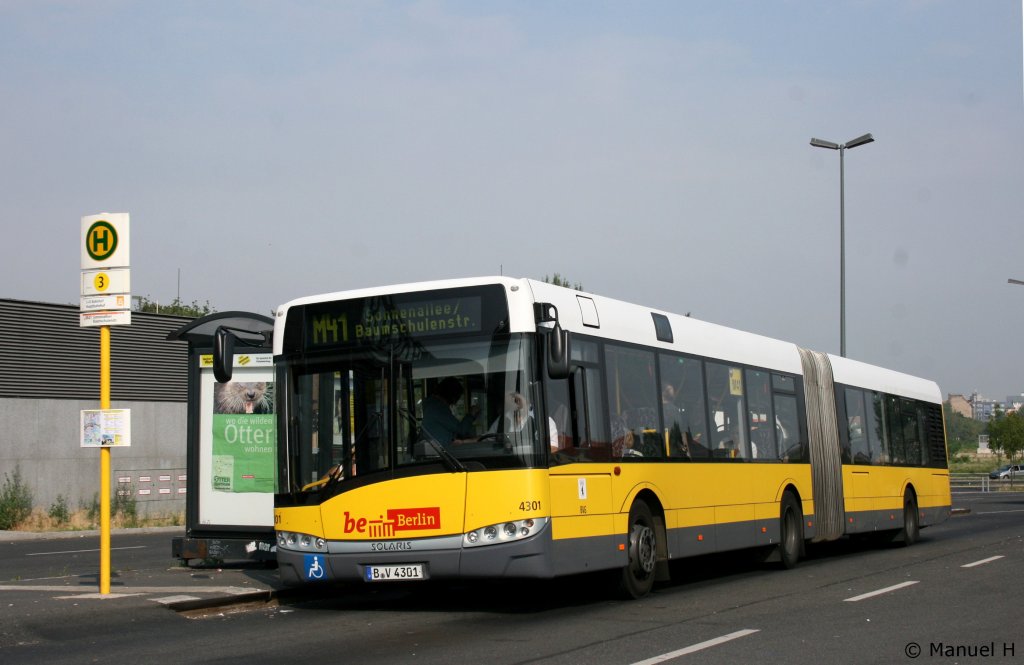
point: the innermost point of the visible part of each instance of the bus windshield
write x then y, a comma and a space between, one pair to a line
453, 405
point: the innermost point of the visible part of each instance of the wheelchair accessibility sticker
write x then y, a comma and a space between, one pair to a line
314, 566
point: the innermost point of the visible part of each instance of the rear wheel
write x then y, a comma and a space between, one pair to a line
791, 532
911, 530
638, 574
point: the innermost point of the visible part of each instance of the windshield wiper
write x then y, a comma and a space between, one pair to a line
450, 461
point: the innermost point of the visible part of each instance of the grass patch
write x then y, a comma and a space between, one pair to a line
975, 466
87, 519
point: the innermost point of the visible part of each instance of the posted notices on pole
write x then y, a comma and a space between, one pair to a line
105, 428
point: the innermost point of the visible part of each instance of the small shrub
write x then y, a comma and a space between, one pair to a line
59, 512
126, 506
15, 501
92, 510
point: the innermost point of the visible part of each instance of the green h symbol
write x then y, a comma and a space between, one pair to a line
101, 240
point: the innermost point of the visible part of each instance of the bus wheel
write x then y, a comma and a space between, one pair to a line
791, 532
638, 575
911, 530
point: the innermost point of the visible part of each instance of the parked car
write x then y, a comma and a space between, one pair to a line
1006, 471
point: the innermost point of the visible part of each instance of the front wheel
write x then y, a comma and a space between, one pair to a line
642, 547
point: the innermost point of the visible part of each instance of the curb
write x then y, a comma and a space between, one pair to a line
263, 597
11, 536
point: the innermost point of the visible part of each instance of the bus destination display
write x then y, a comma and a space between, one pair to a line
373, 321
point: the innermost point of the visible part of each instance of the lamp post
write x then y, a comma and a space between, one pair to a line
842, 147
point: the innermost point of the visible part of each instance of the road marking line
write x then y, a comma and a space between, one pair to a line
697, 647
983, 561
133, 547
999, 512
872, 594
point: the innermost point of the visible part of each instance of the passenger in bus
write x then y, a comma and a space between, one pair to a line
673, 418
517, 422
729, 443
438, 420
683, 441
517, 414
558, 424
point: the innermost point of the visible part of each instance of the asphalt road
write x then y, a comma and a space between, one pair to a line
953, 597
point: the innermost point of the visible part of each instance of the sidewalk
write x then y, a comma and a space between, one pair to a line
167, 583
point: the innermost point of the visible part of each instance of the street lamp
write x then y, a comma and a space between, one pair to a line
841, 147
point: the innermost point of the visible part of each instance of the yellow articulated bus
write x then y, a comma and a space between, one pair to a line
509, 428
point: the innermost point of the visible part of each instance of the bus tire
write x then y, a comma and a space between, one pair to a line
911, 530
637, 577
791, 532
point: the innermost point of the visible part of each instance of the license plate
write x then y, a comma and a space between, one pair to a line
395, 572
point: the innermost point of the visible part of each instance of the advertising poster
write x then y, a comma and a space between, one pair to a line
244, 443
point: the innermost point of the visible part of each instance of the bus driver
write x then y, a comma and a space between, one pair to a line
438, 420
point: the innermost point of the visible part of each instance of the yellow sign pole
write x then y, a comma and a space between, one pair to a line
104, 465
105, 301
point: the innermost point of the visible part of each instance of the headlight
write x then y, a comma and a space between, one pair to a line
302, 542
505, 532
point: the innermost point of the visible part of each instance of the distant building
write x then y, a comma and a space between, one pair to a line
960, 404
982, 409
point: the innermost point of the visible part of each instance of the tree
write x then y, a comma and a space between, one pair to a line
1006, 433
558, 280
961, 432
175, 308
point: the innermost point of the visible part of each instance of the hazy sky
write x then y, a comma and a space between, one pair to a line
656, 152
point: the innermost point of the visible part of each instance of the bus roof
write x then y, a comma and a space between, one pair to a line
607, 318
862, 375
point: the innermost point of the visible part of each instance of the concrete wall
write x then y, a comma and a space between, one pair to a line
41, 438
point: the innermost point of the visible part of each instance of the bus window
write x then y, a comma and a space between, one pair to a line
922, 432
873, 426
760, 415
343, 425
894, 430
876, 428
789, 435
588, 414
727, 408
911, 433
584, 352
560, 433
632, 403
787, 428
684, 419
856, 422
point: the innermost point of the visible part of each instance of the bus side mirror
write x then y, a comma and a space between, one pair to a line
558, 353
223, 354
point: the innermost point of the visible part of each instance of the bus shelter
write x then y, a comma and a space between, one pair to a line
231, 457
